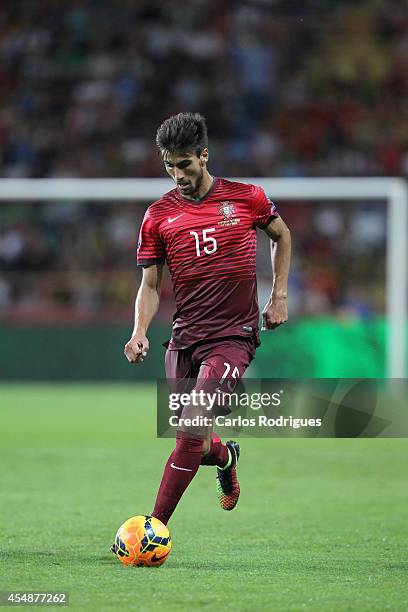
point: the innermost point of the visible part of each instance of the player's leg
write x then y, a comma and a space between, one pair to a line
222, 365
184, 461
215, 452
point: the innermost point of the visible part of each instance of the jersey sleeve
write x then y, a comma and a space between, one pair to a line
150, 248
263, 209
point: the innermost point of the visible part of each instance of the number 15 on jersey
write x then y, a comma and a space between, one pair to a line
209, 241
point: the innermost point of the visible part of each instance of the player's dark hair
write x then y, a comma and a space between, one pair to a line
183, 132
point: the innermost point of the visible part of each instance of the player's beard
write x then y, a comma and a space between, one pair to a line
198, 182
194, 187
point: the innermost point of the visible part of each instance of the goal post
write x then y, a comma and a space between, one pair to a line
393, 191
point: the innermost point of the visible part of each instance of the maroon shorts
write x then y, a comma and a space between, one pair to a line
210, 365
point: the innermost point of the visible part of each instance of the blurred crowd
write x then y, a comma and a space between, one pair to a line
76, 262
299, 88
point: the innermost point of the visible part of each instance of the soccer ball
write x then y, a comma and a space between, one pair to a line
142, 540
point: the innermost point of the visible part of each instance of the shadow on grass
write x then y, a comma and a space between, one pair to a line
62, 557
337, 566
55, 556
281, 565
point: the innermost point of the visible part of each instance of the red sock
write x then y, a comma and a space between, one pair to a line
218, 453
181, 467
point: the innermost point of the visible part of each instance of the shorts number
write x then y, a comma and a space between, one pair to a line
234, 374
207, 249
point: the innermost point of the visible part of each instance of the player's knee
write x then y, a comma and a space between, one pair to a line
195, 420
196, 411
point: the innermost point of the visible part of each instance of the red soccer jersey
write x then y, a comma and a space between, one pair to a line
210, 248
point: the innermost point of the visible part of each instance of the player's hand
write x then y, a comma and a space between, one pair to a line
137, 348
274, 314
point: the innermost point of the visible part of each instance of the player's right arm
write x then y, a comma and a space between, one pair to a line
146, 305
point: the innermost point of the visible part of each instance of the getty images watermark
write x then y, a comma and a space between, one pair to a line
207, 402
328, 408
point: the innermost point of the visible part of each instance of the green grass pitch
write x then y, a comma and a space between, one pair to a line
321, 524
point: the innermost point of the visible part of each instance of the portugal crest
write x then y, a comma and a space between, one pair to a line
227, 210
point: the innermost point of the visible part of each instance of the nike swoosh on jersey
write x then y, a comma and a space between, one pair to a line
170, 220
180, 468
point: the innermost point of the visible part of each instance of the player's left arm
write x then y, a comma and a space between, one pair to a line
276, 310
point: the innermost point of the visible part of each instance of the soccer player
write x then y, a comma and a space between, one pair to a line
205, 229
